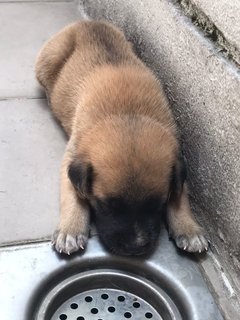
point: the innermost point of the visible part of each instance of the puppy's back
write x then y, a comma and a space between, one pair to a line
79, 48
103, 44
74, 53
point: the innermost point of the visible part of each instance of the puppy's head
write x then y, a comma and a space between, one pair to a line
124, 169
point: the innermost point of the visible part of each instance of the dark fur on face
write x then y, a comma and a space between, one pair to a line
128, 227
131, 227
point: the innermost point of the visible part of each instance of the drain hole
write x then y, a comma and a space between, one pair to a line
80, 318
104, 296
88, 299
111, 309
148, 315
127, 315
62, 317
94, 310
121, 298
136, 304
74, 306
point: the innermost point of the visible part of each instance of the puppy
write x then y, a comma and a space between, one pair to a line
122, 162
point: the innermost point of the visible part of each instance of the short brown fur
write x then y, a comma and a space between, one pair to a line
118, 119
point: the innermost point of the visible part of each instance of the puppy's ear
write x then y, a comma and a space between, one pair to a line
179, 175
81, 175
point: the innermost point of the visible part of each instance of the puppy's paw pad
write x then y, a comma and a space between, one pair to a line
67, 243
194, 243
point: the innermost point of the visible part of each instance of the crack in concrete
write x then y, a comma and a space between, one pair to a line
21, 98
18, 243
210, 30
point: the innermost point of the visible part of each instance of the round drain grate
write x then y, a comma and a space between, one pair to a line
105, 304
105, 294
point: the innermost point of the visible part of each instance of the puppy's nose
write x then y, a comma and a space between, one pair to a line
140, 240
133, 249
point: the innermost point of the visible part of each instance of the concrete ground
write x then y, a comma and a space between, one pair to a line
31, 142
202, 86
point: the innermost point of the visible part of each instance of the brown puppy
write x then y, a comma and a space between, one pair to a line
122, 160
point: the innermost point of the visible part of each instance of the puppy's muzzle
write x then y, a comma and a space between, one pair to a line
134, 247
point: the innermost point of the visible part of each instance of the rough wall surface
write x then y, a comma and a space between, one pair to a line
225, 15
204, 91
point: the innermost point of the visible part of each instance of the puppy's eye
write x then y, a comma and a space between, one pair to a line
115, 203
112, 206
100, 204
102, 207
152, 205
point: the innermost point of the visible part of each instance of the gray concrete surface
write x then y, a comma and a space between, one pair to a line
203, 89
219, 22
31, 142
225, 15
32, 145
24, 28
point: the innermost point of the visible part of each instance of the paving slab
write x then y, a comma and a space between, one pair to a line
31, 148
24, 29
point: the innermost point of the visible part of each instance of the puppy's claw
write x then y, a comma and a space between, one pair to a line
67, 243
193, 243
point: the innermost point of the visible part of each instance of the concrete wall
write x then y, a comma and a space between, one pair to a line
204, 90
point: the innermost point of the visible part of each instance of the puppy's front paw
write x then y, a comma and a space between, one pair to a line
192, 243
67, 243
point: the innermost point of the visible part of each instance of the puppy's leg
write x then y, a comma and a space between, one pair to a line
73, 229
183, 227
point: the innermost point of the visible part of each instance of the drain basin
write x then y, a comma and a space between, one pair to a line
106, 304
107, 295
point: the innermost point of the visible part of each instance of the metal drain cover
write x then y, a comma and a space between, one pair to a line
104, 294
105, 304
